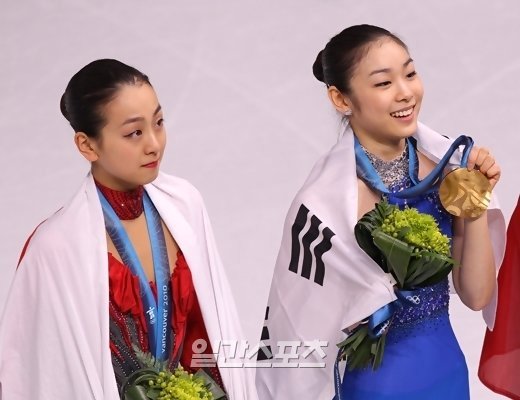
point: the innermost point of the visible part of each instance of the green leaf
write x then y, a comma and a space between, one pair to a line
145, 378
359, 336
413, 267
350, 339
362, 356
383, 209
397, 254
153, 393
138, 377
149, 361
136, 393
417, 265
368, 223
361, 350
435, 278
379, 352
212, 386
363, 234
431, 268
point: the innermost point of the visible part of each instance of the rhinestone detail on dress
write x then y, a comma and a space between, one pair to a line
391, 172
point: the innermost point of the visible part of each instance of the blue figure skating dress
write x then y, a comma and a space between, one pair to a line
422, 358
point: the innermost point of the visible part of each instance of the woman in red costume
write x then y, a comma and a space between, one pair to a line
500, 361
128, 265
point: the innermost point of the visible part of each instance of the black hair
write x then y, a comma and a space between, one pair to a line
335, 64
92, 87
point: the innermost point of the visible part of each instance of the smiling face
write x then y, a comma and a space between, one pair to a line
386, 94
131, 143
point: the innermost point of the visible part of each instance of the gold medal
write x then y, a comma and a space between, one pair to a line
465, 193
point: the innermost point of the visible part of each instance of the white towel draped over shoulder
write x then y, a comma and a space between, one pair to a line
323, 282
54, 334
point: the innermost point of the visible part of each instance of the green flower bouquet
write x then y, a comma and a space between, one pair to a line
156, 382
410, 246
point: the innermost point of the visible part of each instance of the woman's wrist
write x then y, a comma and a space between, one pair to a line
482, 218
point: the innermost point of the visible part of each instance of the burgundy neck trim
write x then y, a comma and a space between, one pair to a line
127, 205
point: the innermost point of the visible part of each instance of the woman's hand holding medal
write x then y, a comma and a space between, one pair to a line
481, 159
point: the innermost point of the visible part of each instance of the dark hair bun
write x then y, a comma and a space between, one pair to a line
91, 88
63, 107
317, 67
344, 51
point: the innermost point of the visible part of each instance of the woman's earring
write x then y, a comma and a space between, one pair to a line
348, 113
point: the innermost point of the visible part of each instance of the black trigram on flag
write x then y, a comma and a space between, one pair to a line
265, 352
305, 244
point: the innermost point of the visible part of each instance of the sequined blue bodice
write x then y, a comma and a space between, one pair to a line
432, 301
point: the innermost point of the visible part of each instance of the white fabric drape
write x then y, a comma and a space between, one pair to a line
54, 337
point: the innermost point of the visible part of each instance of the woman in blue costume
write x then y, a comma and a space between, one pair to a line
381, 94
422, 359
324, 284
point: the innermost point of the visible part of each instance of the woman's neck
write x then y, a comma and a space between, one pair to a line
111, 182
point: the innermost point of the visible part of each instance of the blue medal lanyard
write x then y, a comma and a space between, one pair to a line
158, 312
367, 172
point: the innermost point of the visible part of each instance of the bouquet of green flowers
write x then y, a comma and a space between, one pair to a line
410, 246
157, 382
